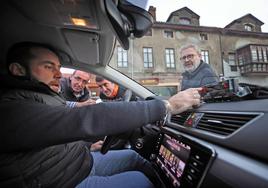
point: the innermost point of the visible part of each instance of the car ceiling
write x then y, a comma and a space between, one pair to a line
83, 31
50, 21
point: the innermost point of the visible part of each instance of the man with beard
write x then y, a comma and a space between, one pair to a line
38, 149
197, 72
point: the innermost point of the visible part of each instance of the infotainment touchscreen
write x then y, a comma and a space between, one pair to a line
172, 158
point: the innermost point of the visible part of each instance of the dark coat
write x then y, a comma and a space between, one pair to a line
67, 93
201, 76
41, 139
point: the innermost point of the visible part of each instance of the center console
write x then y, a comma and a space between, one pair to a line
181, 161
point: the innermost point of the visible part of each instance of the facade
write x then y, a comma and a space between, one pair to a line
239, 50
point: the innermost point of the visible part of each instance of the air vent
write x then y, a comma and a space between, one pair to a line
180, 118
223, 124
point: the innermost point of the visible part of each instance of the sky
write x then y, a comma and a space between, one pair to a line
214, 13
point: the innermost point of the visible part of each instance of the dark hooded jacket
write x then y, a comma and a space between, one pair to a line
42, 139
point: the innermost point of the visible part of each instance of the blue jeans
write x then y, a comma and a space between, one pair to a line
118, 169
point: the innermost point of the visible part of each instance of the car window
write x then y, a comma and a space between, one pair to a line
234, 45
99, 89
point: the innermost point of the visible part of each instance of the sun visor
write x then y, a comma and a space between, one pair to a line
126, 18
84, 45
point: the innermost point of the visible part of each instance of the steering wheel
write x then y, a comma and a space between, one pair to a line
113, 140
127, 95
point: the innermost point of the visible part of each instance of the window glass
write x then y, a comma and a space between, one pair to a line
185, 21
149, 33
260, 53
232, 62
122, 57
148, 57
240, 59
254, 55
231, 59
157, 55
170, 59
248, 27
203, 36
265, 53
205, 56
168, 34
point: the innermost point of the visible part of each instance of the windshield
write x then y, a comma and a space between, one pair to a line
194, 43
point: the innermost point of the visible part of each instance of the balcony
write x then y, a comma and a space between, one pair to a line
254, 69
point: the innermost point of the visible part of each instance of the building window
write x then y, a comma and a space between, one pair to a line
185, 21
259, 53
121, 57
203, 36
147, 57
149, 33
265, 54
231, 61
241, 60
262, 53
254, 54
253, 58
168, 34
205, 56
170, 58
248, 27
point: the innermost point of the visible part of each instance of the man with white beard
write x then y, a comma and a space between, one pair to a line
197, 72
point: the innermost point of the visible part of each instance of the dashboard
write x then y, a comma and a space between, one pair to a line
183, 161
217, 145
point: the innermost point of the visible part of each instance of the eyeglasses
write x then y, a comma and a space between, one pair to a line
189, 56
78, 79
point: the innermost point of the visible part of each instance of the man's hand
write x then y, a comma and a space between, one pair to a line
85, 103
184, 100
96, 146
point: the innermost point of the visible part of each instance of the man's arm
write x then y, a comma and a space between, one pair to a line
26, 125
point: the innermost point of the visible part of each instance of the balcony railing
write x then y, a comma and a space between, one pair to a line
254, 69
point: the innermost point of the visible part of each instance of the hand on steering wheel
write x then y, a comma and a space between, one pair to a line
112, 140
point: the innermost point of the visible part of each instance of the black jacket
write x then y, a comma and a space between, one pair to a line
41, 138
67, 93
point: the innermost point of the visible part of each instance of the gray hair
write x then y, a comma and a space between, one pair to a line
194, 46
81, 71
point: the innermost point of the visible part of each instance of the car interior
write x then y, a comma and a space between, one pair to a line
222, 143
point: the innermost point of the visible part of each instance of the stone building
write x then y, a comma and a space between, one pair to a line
239, 50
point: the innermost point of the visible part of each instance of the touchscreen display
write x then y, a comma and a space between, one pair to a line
172, 158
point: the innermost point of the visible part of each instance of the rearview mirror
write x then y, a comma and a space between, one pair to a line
127, 18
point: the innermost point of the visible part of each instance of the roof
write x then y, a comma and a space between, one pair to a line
239, 19
223, 31
182, 9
